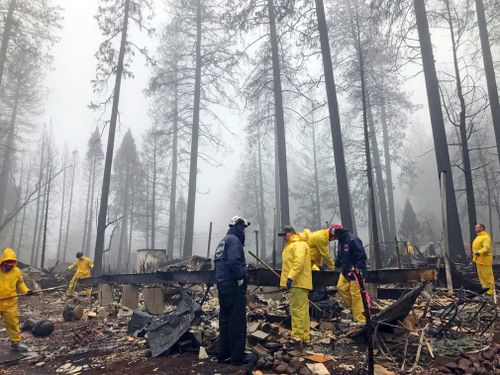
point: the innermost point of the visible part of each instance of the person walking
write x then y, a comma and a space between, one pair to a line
351, 259
84, 267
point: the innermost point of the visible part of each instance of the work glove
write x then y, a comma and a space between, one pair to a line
240, 282
289, 283
30, 293
478, 254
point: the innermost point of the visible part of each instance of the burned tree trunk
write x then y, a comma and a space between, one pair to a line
23, 219
9, 150
9, 21
317, 214
173, 179
489, 72
439, 134
193, 167
90, 224
462, 126
388, 172
37, 210
86, 221
345, 204
153, 199
371, 198
61, 213
70, 207
47, 203
262, 216
377, 166
279, 118
103, 208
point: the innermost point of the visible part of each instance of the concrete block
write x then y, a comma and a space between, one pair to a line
153, 300
130, 296
372, 290
105, 294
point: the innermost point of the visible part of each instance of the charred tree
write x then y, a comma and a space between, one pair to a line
279, 117
61, 213
489, 72
66, 236
439, 134
462, 126
103, 207
193, 165
333, 108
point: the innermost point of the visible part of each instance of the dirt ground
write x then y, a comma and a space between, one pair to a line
100, 345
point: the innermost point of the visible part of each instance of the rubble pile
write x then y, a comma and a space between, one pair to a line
424, 332
483, 362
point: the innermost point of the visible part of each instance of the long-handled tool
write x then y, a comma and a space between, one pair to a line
278, 276
35, 291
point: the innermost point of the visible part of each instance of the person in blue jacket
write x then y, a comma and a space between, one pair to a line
351, 256
230, 274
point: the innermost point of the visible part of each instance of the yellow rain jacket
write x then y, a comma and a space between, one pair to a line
482, 245
83, 266
11, 283
296, 263
318, 244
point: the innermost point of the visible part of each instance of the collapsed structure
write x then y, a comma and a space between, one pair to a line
165, 320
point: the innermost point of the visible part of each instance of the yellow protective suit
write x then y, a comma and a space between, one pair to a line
351, 295
318, 244
484, 262
83, 267
296, 266
11, 283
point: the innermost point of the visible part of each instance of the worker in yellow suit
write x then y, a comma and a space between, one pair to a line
11, 282
482, 255
296, 276
318, 244
83, 270
351, 258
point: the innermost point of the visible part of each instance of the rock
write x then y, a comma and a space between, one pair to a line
281, 368
259, 335
295, 363
261, 363
464, 364
488, 354
78, 312
451, 365
39, 364
444, 370
305, 371
202, 354
290, 370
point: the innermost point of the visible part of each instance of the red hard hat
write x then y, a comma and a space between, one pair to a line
333, 228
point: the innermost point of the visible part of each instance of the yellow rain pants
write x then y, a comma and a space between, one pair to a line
299, 309
83, 270
486, 278
11, 283
351, 295
72, 284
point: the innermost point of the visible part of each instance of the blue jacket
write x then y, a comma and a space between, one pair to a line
229, 258
350, 253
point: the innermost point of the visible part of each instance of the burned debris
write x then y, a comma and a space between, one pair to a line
424, 331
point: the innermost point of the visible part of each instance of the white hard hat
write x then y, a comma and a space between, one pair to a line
236, 219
